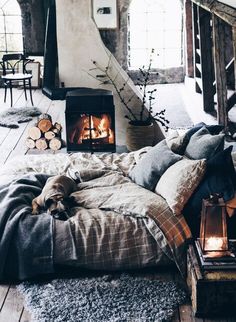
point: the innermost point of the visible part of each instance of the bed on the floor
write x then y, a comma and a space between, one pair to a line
130, 212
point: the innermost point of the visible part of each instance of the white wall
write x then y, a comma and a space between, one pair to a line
79, 43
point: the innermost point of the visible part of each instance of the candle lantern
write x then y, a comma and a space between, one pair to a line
213, 230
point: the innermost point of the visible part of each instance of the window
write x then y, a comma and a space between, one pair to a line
11, 39
155, 24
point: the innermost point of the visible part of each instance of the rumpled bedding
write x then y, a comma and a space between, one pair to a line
26, 247
105, 192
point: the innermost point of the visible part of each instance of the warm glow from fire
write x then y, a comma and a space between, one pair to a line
214, 243
95, 128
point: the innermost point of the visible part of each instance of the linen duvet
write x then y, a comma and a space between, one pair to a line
116, 224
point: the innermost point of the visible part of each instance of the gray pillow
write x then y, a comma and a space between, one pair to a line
203, 145
150, 168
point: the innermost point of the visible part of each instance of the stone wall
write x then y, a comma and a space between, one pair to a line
33, 25
116, 40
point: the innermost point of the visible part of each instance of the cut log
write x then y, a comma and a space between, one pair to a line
34, 133
49, 135
30, 143
55, 144
56, 131
58, 126
41, 144
44, 122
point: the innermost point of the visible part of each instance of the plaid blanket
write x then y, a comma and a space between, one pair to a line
114, 193
105, 240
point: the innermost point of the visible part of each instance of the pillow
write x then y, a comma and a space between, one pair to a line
176, 142
154, 163
179, 182
220, 177
203, 145
213, 129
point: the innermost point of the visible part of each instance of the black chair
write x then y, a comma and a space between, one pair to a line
15, 72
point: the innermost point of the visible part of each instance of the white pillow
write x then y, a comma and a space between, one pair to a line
179, 181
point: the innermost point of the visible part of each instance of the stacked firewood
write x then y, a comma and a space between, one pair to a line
45, 135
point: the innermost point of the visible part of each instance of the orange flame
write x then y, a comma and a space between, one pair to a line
94, 128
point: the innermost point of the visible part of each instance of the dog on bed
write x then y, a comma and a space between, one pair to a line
54, 197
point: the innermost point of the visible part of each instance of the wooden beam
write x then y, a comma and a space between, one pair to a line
225, 12
196, 54
207, 65
234, 47
189, 38
220, 72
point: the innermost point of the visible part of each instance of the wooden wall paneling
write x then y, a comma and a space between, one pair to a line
234, 46
189, 38
220, 72
207, 66
221, 10
196, 49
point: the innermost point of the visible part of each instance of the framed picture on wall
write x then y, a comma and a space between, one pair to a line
105, 13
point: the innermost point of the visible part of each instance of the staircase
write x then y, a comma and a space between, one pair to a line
214, 75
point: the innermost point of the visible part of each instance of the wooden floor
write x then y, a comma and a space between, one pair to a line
12, 141
12, 144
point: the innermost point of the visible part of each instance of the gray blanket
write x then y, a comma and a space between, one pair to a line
26, 247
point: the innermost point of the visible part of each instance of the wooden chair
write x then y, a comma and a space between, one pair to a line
15, 73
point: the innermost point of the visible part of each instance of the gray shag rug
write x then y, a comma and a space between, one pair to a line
13, 116
102, 299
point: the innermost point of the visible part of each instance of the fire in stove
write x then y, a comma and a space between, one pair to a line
90, 120
92, 129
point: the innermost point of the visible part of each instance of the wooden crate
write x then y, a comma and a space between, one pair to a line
212, 292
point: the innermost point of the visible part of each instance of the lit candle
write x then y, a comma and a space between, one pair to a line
214, 243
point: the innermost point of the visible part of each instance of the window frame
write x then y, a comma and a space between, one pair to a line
164, 48
6, 33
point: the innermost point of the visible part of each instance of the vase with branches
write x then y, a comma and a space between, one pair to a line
145, 115
139, 109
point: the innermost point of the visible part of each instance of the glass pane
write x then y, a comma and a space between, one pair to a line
158, 61
155, 6
2, 2
2, 42
155, 39
172, 21
13, 24
138, 22
172, 39
2, 30
11, 7
138, 39
161, 21
172, 7
172, 58
14, 42
155, 21
138, 58
137, 6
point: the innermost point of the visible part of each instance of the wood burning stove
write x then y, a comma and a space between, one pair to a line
90, 120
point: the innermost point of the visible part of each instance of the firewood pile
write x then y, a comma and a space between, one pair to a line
45, 135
